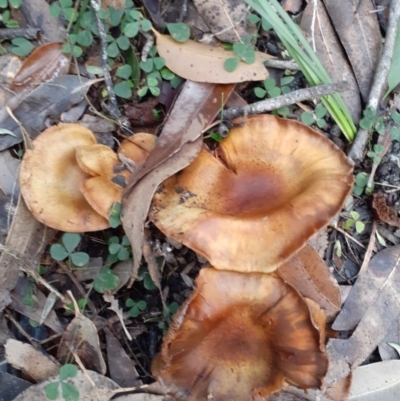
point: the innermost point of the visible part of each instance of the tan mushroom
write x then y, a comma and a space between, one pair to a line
273, 183
108, 174
50, 180
241, 336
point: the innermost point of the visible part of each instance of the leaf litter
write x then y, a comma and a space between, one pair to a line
369, 316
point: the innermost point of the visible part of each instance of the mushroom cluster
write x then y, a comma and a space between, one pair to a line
70, 182
248, 208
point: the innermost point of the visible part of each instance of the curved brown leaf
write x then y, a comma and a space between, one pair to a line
308, 273
331, 54
357, 25
205, 63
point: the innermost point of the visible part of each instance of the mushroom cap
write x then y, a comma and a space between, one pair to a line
100, 190
240, 336
275, 183
50, 180
138, 146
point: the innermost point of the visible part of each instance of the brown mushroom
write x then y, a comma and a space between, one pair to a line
274, 183
109, 175
50, 180
240, 336
105, 186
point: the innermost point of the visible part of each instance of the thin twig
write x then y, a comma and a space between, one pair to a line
11, 33
347, 235
286, 100
282, 64
370, 248
357, 150
32, 340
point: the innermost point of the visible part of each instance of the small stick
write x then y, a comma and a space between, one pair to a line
282, 64
357, 150
32, 340
11, 33
347, 235
286, 100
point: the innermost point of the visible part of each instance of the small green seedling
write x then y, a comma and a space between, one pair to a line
106, 281
179, 31
118, 250
82, 302
354, 221
376, 153
338, 248
144, 276
360, 184
315, 118
69, 242
244, 51
271, 90
135, 307
371, 122
380, 239
114, 215
68, 391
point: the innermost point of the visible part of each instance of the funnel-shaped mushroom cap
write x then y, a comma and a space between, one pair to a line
276, 183
51, 179
240, 336
106, 185
100, 190
138, 147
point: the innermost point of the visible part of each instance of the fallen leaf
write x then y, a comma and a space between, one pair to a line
358, 29
37, 15
81, 335
45, 64
103, 391
309, 274
205, 63
227, 19
367, 288
11, 386
121, 368
25, 243
331, 54
34, 363
384, 212
387, 351
50, 99
9, 173
374, 302
178, 145
377, 381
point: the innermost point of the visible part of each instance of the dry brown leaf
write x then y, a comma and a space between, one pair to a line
383, 211
227, 19
37, 15
331, 54
121, 367
81, 335
104, 390
25, 243
308, 273
205, 63
45, 64
178, 145
34, 363
357, 25
373, 303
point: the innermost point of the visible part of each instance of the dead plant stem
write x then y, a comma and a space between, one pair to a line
379, 83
